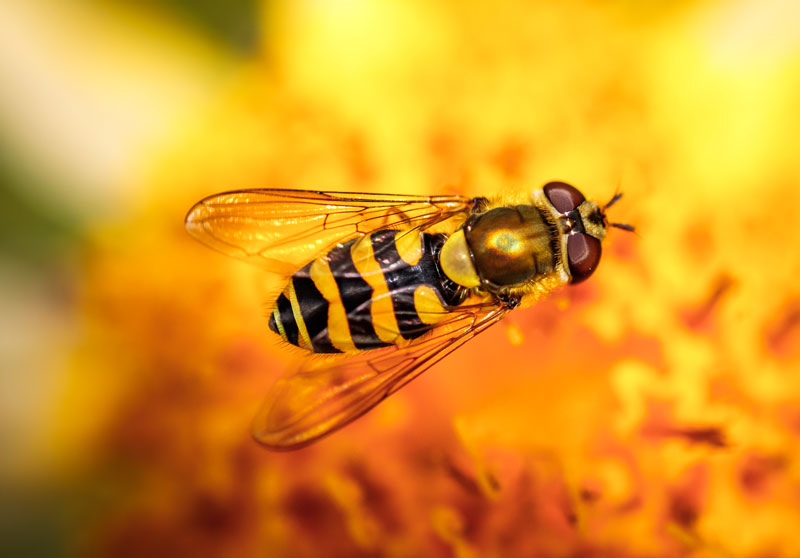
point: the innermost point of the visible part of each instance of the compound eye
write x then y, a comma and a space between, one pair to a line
564, 197
583, 256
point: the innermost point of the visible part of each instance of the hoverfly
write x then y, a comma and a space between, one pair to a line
392, 283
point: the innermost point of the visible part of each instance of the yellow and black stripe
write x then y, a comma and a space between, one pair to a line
367, 293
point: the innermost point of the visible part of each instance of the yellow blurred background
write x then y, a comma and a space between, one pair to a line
653, 411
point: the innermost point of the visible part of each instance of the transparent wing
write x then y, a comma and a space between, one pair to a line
324, 397
284, 229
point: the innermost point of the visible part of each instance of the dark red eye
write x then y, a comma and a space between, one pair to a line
583, 255
564, 197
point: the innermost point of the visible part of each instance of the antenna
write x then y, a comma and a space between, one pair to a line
613, 200
623, 226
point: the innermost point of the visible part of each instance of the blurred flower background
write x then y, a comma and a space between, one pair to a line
653, 411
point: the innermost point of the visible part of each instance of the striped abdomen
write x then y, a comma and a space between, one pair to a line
367, 293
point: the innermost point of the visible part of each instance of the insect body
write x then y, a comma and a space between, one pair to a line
369, 292
393, 283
